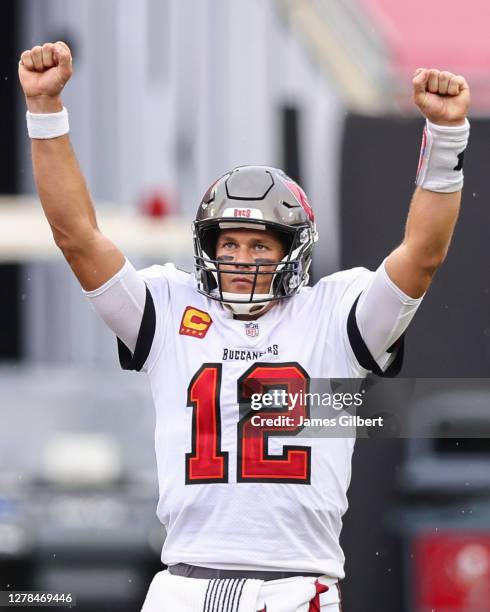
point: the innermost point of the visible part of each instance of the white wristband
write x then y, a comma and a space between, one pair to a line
441, 157
47, 125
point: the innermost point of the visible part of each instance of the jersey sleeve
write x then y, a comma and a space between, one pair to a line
348, 286
151, 334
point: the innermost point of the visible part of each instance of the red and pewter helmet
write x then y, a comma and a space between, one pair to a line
258, 198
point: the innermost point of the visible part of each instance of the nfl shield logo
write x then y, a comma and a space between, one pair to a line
252, 329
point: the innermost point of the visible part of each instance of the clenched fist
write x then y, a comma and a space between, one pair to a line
443, 97
43, 72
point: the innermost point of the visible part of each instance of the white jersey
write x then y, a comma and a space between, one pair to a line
229, 499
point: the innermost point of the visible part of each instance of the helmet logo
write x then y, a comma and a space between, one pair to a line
300, 195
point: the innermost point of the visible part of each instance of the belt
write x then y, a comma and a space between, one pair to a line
195, 571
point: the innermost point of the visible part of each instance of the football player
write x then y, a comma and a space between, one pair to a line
253, 515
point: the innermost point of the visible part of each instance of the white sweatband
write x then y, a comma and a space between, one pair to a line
47, 125
441, 157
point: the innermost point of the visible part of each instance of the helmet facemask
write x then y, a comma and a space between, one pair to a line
287, 275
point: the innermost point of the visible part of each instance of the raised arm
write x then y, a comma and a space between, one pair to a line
386, 307
43, 73
443, 98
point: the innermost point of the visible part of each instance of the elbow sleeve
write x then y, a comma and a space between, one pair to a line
120, 302
383, 313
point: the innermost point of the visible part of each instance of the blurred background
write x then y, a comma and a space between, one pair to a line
166, 96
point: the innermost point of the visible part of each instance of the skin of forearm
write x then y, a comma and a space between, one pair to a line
64, 196
428, 231
430, 226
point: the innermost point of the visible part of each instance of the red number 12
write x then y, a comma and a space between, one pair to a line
206, 462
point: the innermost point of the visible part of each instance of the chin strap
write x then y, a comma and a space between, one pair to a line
240, 307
